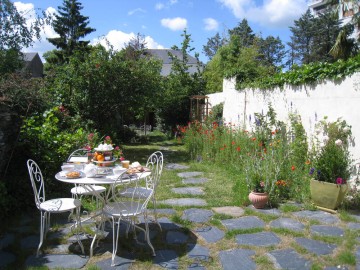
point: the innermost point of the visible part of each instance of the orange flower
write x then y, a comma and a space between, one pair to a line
253, 139
293, 168
307, 162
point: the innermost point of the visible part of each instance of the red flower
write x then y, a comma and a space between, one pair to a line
293, 168
253, 139
232, 142
238, 148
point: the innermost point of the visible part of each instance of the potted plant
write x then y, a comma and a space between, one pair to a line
331, 163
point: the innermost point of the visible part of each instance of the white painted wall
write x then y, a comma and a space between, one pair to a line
311, 102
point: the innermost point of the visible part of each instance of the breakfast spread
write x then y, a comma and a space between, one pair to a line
73, 174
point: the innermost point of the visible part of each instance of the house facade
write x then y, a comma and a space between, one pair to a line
33, 64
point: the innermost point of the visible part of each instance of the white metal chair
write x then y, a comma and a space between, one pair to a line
79, 191
155, 164
47, 207
120, 208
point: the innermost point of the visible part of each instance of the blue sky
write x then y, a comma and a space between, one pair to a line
162, 21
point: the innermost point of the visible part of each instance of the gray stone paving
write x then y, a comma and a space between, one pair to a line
188, 190
287, 223
190, 243
314, 246
184, 202
281, 260
261, 239
197, 215
194, 181
210, 234
243, 223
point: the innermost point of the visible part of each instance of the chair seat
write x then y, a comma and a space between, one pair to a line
59, 205
123, 209
79, 190
141, 192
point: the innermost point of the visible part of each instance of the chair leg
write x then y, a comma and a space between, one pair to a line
42, 230
155, 213
78, 227
115, 239
147, 235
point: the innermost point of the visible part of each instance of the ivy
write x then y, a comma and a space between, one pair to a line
306, 74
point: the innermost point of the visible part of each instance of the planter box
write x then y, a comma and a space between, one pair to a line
327, 195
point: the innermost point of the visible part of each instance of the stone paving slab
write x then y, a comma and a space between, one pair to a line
287, 223
233, 211
176, 166
198, 253
167, 224
233, 259
194, 181
326, 230
165, 211
261, 239
189, 174
197, 215
184, 202
267, 211
57, 261
210, 234
281, 259
243, 223
314, 246
320, 216
176, 237
188, 190
167, 259
353, 226
121, 263
196, 266
6, 258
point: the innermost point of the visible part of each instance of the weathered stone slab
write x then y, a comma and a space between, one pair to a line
288, 259
287, 223
210, 234
196, 266
320, 216
176, 166
243, 223
6, 258
167, 259
175, 237
234, 211
266, 211
261, 239
166, 211
189, 174
188, 190
167, 224
185, 202
327, 230
353, 226
198, 253
314, 246
31, 241
194, 181
62, 248
6, 240
197, 215
58, 261
233, 259
121, 263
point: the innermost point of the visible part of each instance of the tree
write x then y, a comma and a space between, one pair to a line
71, 26
301, 39
212, 45
15, 35
135, 47
273, 52
244, 32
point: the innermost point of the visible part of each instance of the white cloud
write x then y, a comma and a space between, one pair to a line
118, 39
211, 24
174, 24
159, 6
137, 10
273, 13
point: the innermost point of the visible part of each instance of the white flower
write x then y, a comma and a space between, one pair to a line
346, 129
325, 138
338, 142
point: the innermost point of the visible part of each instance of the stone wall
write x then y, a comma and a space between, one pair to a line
333, 99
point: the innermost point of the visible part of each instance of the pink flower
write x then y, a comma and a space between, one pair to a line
340, 181
338, 142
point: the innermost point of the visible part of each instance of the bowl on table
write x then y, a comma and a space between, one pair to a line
67, 167
119, 170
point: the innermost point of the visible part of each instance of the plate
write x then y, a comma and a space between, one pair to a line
74, 175
103, 150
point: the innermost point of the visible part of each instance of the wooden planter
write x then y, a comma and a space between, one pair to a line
327, 195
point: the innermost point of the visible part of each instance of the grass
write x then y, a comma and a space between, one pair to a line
224, 188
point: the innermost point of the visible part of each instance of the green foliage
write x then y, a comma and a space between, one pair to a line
306, 74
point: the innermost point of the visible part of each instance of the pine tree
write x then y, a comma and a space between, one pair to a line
71, 26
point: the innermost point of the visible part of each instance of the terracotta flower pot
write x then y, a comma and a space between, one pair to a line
258, 199
327, 195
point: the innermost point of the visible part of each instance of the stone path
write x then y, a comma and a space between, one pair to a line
204, 244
